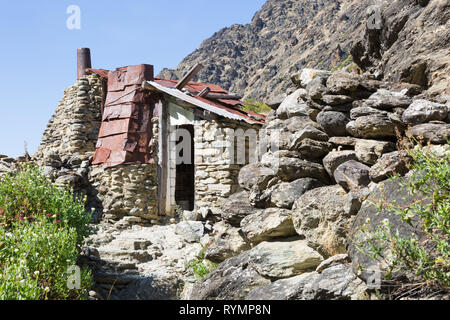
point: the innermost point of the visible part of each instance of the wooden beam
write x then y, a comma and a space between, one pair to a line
224, 96
188, 77
204, 92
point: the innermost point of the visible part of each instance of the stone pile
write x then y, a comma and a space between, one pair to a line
339, 135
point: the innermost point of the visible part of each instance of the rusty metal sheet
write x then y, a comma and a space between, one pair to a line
109, 128
101, 155
128, 76
120, 112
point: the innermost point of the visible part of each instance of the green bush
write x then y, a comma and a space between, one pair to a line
41, 230
255, 106
428, 260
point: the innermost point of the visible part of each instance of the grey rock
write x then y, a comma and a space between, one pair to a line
336, 158
231, 280
292, 106
386, 100
371, 218
369, 151
309, 132
352, 175
332, 261
191, 231
333, 123
390, 164
277, 260
285, 194
421, 111
254, 173
343, 82
436, 133
336, 99
355, 113
236, 208
313, 149
290, 169
267, 225
343, 141
284, 289
336, 283
376, 126
320, 216
228, 242
303, 78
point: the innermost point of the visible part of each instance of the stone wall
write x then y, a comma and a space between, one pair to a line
127, 190
75, 125
216, 174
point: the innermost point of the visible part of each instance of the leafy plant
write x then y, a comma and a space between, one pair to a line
41, 229
427, 259
256, 106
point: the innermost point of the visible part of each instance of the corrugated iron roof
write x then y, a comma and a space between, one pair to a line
126, 130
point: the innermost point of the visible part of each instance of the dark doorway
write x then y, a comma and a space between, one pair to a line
185, 172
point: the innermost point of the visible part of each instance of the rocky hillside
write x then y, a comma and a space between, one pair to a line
302, 208
282, 38
286, 36
412, 45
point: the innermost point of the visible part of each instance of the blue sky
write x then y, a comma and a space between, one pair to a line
38, 52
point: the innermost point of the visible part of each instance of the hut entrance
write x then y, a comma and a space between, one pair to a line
185, 168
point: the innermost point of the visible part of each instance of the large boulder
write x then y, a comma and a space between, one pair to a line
284, 259
421, 111
352, 175
369, 151
343, 82
228, 242
290, 169
191, 231
377, 126
333, 122
390, 164
308, 132
234, 278
370, 218
386, 100
254, 173
337, 282
267, 225
323, 217
437, 133
313, 149
293, 105
306, 76
285, 194
236, 208
358, 112
336, 158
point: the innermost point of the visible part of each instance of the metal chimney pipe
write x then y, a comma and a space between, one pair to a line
83, 61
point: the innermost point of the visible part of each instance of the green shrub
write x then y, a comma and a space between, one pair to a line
41, 229
428, 260
255, 106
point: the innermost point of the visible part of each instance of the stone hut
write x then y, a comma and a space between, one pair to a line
138, 145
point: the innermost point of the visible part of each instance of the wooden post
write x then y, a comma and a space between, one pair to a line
188, 77
204, 92
83, 61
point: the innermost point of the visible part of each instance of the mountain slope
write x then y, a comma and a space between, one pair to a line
283, 37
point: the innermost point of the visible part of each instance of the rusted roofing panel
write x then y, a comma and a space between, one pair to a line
101, 72
206, 104
126, 130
